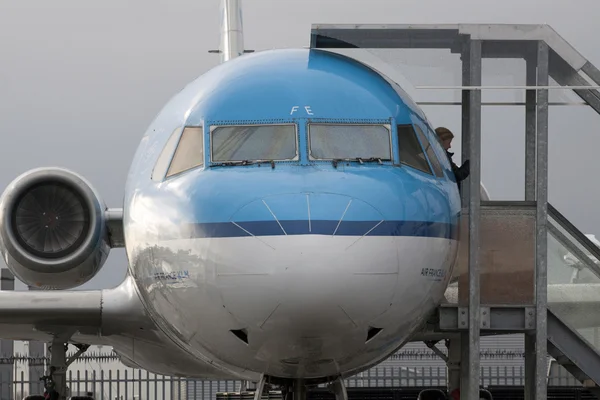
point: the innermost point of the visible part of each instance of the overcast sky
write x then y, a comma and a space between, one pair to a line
80, 81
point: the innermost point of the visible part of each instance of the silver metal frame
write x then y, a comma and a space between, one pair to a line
472, 109
541, 252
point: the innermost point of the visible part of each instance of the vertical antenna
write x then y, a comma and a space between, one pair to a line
232, 33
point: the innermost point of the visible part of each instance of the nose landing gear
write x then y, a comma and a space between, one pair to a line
296, 389
55, 382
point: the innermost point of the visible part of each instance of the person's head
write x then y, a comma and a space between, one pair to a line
445, 136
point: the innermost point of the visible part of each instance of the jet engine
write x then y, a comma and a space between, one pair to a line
53, 231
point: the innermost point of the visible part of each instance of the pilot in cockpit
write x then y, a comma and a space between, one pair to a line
461, 173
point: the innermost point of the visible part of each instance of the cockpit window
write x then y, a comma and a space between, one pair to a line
341, 142
411, 153
254, 143
164, 159
190, 151
435, 163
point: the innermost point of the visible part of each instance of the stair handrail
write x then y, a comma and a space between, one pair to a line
592, 248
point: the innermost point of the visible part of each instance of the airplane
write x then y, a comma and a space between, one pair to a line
279, 214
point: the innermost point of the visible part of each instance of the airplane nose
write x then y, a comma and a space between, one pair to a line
308, 264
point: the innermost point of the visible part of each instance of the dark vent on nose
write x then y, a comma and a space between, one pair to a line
241, 334
372, 332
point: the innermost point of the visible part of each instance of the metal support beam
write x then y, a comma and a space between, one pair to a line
471, 389
530, 127
494, 319
565, 75
465, 366
530, 168
530, 359
541, 273
466, 116
7, 282
463, 345
591, 71
453, 364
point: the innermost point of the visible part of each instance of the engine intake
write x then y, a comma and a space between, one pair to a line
53, 232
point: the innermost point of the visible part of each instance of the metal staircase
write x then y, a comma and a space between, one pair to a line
574, 353
523, 267
573, 291
574, 309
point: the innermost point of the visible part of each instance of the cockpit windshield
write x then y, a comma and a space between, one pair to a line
350, 142
253, 143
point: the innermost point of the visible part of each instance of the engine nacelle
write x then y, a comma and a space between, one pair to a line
53, 231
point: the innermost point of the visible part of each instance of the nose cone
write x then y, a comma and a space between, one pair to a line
310, 269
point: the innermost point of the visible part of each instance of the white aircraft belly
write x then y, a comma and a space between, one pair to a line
305, 299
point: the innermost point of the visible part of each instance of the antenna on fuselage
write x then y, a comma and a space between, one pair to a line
232, 31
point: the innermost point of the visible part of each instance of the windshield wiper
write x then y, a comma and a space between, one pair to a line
335, 161
272, 162
244, 162
361, 160
232, 163
370, 159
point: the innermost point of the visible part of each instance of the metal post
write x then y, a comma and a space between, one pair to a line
474, 218
530, 168
530, 127
541, 253
453, 364
465, 367
466, 115
530, 360
466, 119
7, 282
472, 131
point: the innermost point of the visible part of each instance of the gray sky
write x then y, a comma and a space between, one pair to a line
81, 81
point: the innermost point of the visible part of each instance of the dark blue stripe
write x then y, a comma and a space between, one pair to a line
319, 227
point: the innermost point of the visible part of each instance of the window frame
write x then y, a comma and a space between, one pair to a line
416, 136
388, 127
214, 127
